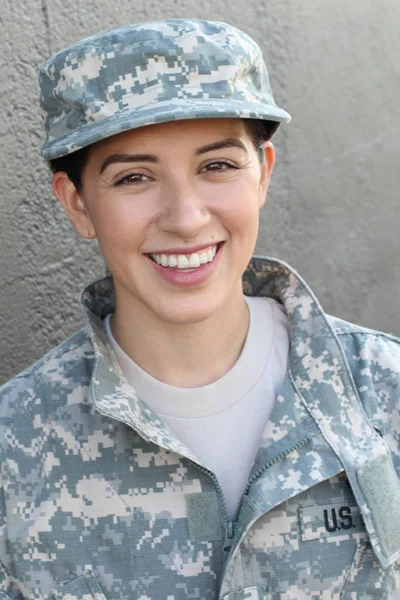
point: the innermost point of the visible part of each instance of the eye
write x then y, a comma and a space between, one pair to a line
132, 179
217, 166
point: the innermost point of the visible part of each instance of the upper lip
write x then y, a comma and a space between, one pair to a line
185, 250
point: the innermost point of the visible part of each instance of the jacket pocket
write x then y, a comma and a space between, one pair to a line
82, 588
253, 592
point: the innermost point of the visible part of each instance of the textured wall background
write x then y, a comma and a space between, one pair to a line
333, 210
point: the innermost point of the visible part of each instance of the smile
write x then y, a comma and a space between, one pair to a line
186, 261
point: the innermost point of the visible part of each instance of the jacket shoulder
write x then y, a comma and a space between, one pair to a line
56, 373
373, 357
374, 361
342, 328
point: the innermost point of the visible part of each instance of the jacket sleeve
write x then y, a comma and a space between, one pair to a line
8, 587
374, 360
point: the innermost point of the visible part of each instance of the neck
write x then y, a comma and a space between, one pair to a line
191, 355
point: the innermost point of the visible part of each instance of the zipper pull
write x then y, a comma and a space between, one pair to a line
230, 532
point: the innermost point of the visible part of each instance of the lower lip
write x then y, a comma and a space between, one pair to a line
190, 277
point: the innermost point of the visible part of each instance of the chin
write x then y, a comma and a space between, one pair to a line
182, 314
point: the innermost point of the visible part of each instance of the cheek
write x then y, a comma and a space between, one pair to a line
123, 217
241, 211
121, 224
117, 233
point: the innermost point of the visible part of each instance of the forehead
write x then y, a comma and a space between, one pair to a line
190, 133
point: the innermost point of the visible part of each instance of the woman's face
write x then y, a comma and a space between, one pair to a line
175, 209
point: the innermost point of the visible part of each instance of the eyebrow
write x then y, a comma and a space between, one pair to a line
228, 143
129, 158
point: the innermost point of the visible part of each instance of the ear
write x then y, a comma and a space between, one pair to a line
266, 169
73, 204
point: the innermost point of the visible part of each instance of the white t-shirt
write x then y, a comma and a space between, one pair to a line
222, 422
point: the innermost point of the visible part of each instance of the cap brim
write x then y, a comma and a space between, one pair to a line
161, 112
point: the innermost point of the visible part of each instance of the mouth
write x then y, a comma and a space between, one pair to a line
186, 261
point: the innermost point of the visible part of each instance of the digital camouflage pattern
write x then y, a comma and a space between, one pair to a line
99, 498
151, 73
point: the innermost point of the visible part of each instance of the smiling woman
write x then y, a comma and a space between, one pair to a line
192, 441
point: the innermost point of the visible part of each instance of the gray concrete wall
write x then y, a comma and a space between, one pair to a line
333, 210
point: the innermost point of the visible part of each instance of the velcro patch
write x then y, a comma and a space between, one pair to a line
203, 517
329, 519
381, 488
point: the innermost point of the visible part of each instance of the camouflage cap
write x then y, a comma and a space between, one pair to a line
152, 73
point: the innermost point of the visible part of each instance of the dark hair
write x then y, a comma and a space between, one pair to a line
74, 163
260, 131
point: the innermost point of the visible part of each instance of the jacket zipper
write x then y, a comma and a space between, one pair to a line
229, 535
231, 523
272, 462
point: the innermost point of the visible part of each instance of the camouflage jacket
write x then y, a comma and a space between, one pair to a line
100, 500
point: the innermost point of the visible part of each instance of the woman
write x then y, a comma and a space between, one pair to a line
192, 442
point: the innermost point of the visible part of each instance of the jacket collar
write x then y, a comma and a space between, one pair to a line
110, 391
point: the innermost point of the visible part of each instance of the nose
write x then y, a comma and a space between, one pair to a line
185, 213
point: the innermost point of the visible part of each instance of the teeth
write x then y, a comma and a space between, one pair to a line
183, 261
194, 260
172, 262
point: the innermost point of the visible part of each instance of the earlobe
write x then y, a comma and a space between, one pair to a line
266, 169
73, 204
